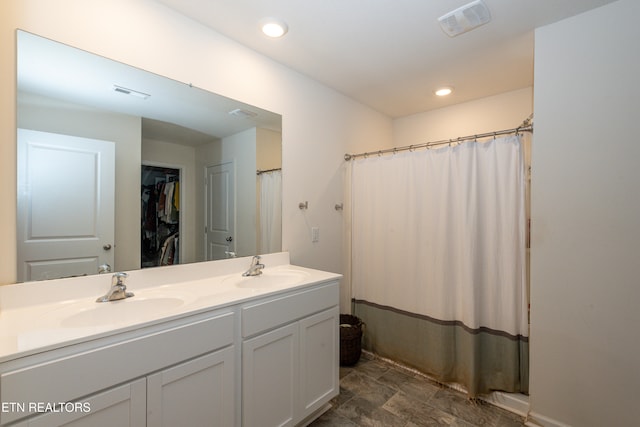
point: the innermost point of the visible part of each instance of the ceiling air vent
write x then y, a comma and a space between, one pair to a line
126, 91
465, 18
239, 112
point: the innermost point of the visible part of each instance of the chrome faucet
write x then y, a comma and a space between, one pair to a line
118, 289
256, 268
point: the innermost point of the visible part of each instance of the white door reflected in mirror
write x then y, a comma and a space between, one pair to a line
65, 205
220, 211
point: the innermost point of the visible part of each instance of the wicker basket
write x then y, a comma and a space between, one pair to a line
350, 339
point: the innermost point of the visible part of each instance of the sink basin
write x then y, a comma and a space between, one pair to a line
128, 310
269, 279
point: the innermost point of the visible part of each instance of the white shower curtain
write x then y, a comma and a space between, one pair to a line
270, 218
438, 249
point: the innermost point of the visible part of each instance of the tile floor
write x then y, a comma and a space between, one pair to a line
376, 393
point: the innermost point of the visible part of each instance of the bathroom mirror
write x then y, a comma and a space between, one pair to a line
78, 215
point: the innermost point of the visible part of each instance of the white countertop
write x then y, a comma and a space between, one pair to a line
40, 316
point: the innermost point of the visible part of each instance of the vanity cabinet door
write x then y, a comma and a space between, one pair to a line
199, 392
319, 360
123, 406
270, 378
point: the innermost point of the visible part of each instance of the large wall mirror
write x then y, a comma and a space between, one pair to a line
120, 169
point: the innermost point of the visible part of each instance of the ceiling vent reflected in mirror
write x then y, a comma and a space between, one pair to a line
131, 92
465, 18
239, 112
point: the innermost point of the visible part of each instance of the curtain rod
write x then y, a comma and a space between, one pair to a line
258, 172
526, 126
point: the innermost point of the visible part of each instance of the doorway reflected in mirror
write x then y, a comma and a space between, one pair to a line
160, 221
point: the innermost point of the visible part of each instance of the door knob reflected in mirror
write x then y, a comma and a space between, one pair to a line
229, 239
107, 247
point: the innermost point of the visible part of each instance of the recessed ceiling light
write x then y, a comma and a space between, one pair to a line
273, 27
444, 91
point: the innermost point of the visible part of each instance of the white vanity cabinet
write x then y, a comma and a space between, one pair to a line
151, 376
319, 360
120, 406
289, 356
269, 375
260, 351
195, 393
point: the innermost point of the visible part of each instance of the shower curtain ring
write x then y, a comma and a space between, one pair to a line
395, 150
379, 153
411, 148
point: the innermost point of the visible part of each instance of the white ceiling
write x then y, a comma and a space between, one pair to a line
392, 54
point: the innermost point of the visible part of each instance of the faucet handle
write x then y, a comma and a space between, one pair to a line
119, 278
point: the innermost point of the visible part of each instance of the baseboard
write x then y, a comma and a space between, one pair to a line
517, 403
536, 420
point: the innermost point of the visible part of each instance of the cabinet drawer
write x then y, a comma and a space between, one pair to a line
72, 376
270, 313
